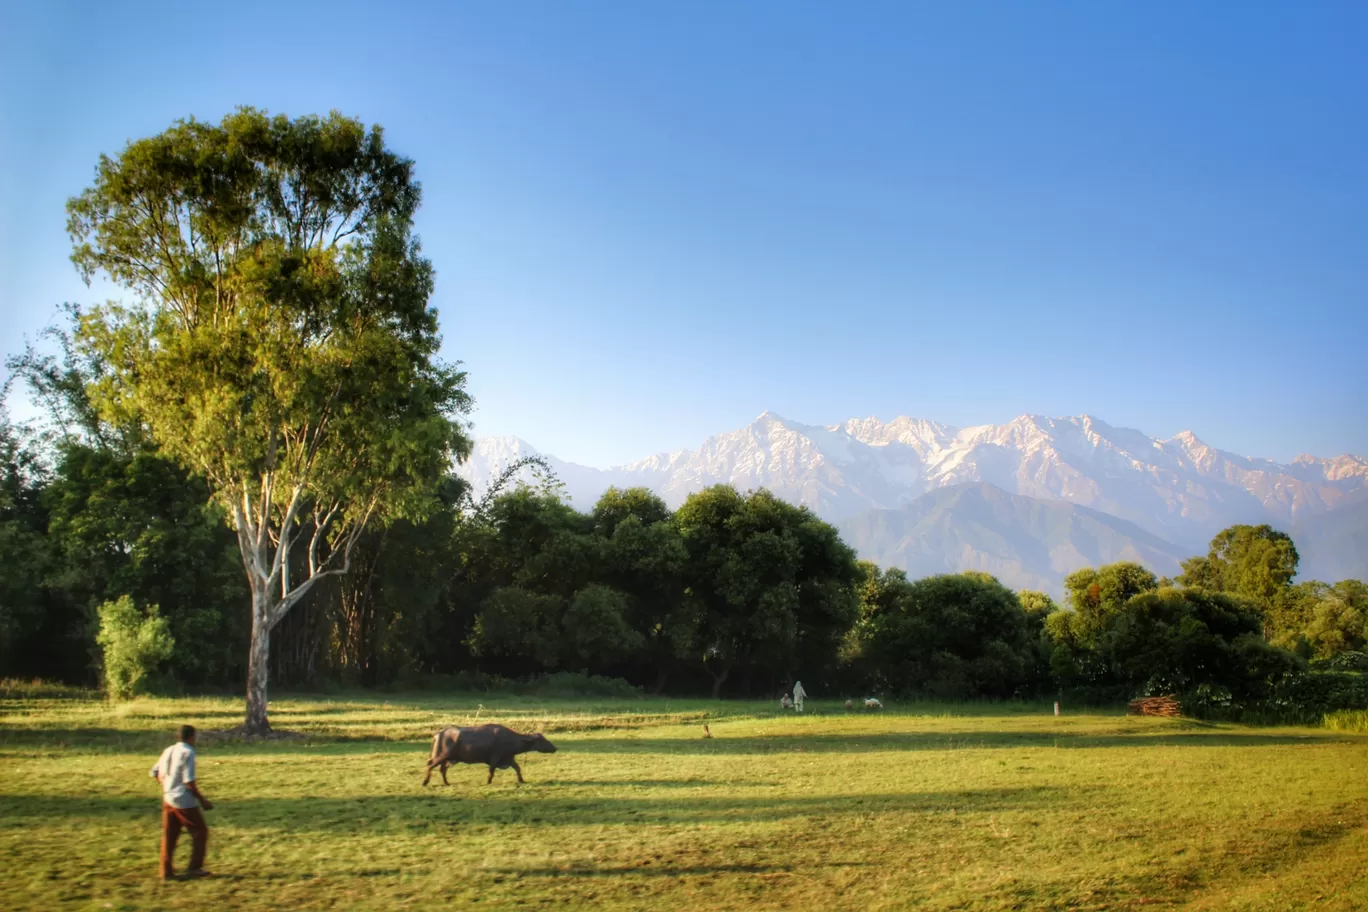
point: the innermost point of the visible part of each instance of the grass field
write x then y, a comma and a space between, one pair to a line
917, 807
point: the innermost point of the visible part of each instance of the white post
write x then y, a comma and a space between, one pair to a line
1056, 707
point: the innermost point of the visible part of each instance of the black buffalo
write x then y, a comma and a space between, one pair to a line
493, 745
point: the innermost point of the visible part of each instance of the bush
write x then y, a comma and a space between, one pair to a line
1301, 699
38, 689
578, 684
558, 684
133, 644
1348, 720
1345, 661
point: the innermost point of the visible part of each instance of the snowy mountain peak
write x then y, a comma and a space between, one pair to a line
1180, 489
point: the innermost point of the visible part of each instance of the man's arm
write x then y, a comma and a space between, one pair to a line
191, 786
194, 790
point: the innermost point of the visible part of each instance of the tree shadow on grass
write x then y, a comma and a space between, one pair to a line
664, 869
332, 742
445, 810
83, 739
814, 742
636, 783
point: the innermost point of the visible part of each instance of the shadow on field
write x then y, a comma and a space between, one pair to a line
85, 739
646, 869
636, 783
465, 808
927, 741
333, 743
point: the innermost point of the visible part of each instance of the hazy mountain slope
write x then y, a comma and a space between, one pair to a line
491, 455
1025, 542
1178, 490
1334, 546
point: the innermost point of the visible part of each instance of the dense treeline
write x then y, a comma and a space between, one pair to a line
112, 554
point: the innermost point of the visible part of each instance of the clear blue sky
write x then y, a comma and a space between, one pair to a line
652, 221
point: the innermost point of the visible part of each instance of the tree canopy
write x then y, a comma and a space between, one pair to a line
280, 344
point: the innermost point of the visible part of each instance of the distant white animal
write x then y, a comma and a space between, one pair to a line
873, 703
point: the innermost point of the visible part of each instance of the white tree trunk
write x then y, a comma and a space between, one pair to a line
258, 659
266, 559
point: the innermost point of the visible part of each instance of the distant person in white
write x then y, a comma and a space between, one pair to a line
181, 803
798, 695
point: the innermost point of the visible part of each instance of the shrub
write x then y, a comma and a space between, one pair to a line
578, 684
1344, 661
38, 689
1347, 720
1305, 699
133, 644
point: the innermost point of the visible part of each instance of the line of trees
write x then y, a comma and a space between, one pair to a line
732, 593
244, 472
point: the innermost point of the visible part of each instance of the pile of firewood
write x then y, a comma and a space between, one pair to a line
1155, 706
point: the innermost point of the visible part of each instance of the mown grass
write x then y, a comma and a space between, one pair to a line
929, 807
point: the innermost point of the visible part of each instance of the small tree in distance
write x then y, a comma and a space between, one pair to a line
132, 644
280, 345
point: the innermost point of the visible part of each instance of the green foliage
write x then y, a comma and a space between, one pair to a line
39, 689
1037, 605
596, 626
282, 334
1344, 661
1171, 640
617, 505
280, 345
1348, 720
516, 622
139, 525
1254, 562
1339, 623
772, 585
1096, 598
1127, 637
1294, 699
26, 634
133, 643
958, 636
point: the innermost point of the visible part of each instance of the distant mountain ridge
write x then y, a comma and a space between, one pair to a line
1025, 542
1178, 491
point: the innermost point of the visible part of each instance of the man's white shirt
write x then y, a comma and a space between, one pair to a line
177, 768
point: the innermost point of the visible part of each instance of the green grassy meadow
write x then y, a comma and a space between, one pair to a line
926, 807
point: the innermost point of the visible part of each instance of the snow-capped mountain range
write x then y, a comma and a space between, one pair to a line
1178, 491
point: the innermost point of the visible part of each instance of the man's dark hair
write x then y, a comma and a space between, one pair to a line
187, 732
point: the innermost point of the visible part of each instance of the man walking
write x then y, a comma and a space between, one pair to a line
798, 695
181, 804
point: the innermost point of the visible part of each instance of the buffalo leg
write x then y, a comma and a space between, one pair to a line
491, 774
444, 778
517, 769
429, 772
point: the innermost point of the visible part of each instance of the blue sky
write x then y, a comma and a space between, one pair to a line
652, 222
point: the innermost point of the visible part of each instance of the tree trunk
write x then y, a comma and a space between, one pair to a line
258, 664
717, 683
660, 680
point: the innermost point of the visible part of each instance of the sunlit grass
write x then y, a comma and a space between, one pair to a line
922, 806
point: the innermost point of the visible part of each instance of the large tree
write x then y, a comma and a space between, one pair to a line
1254, 562
644, 557
279, 343
955, 635
772, 586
